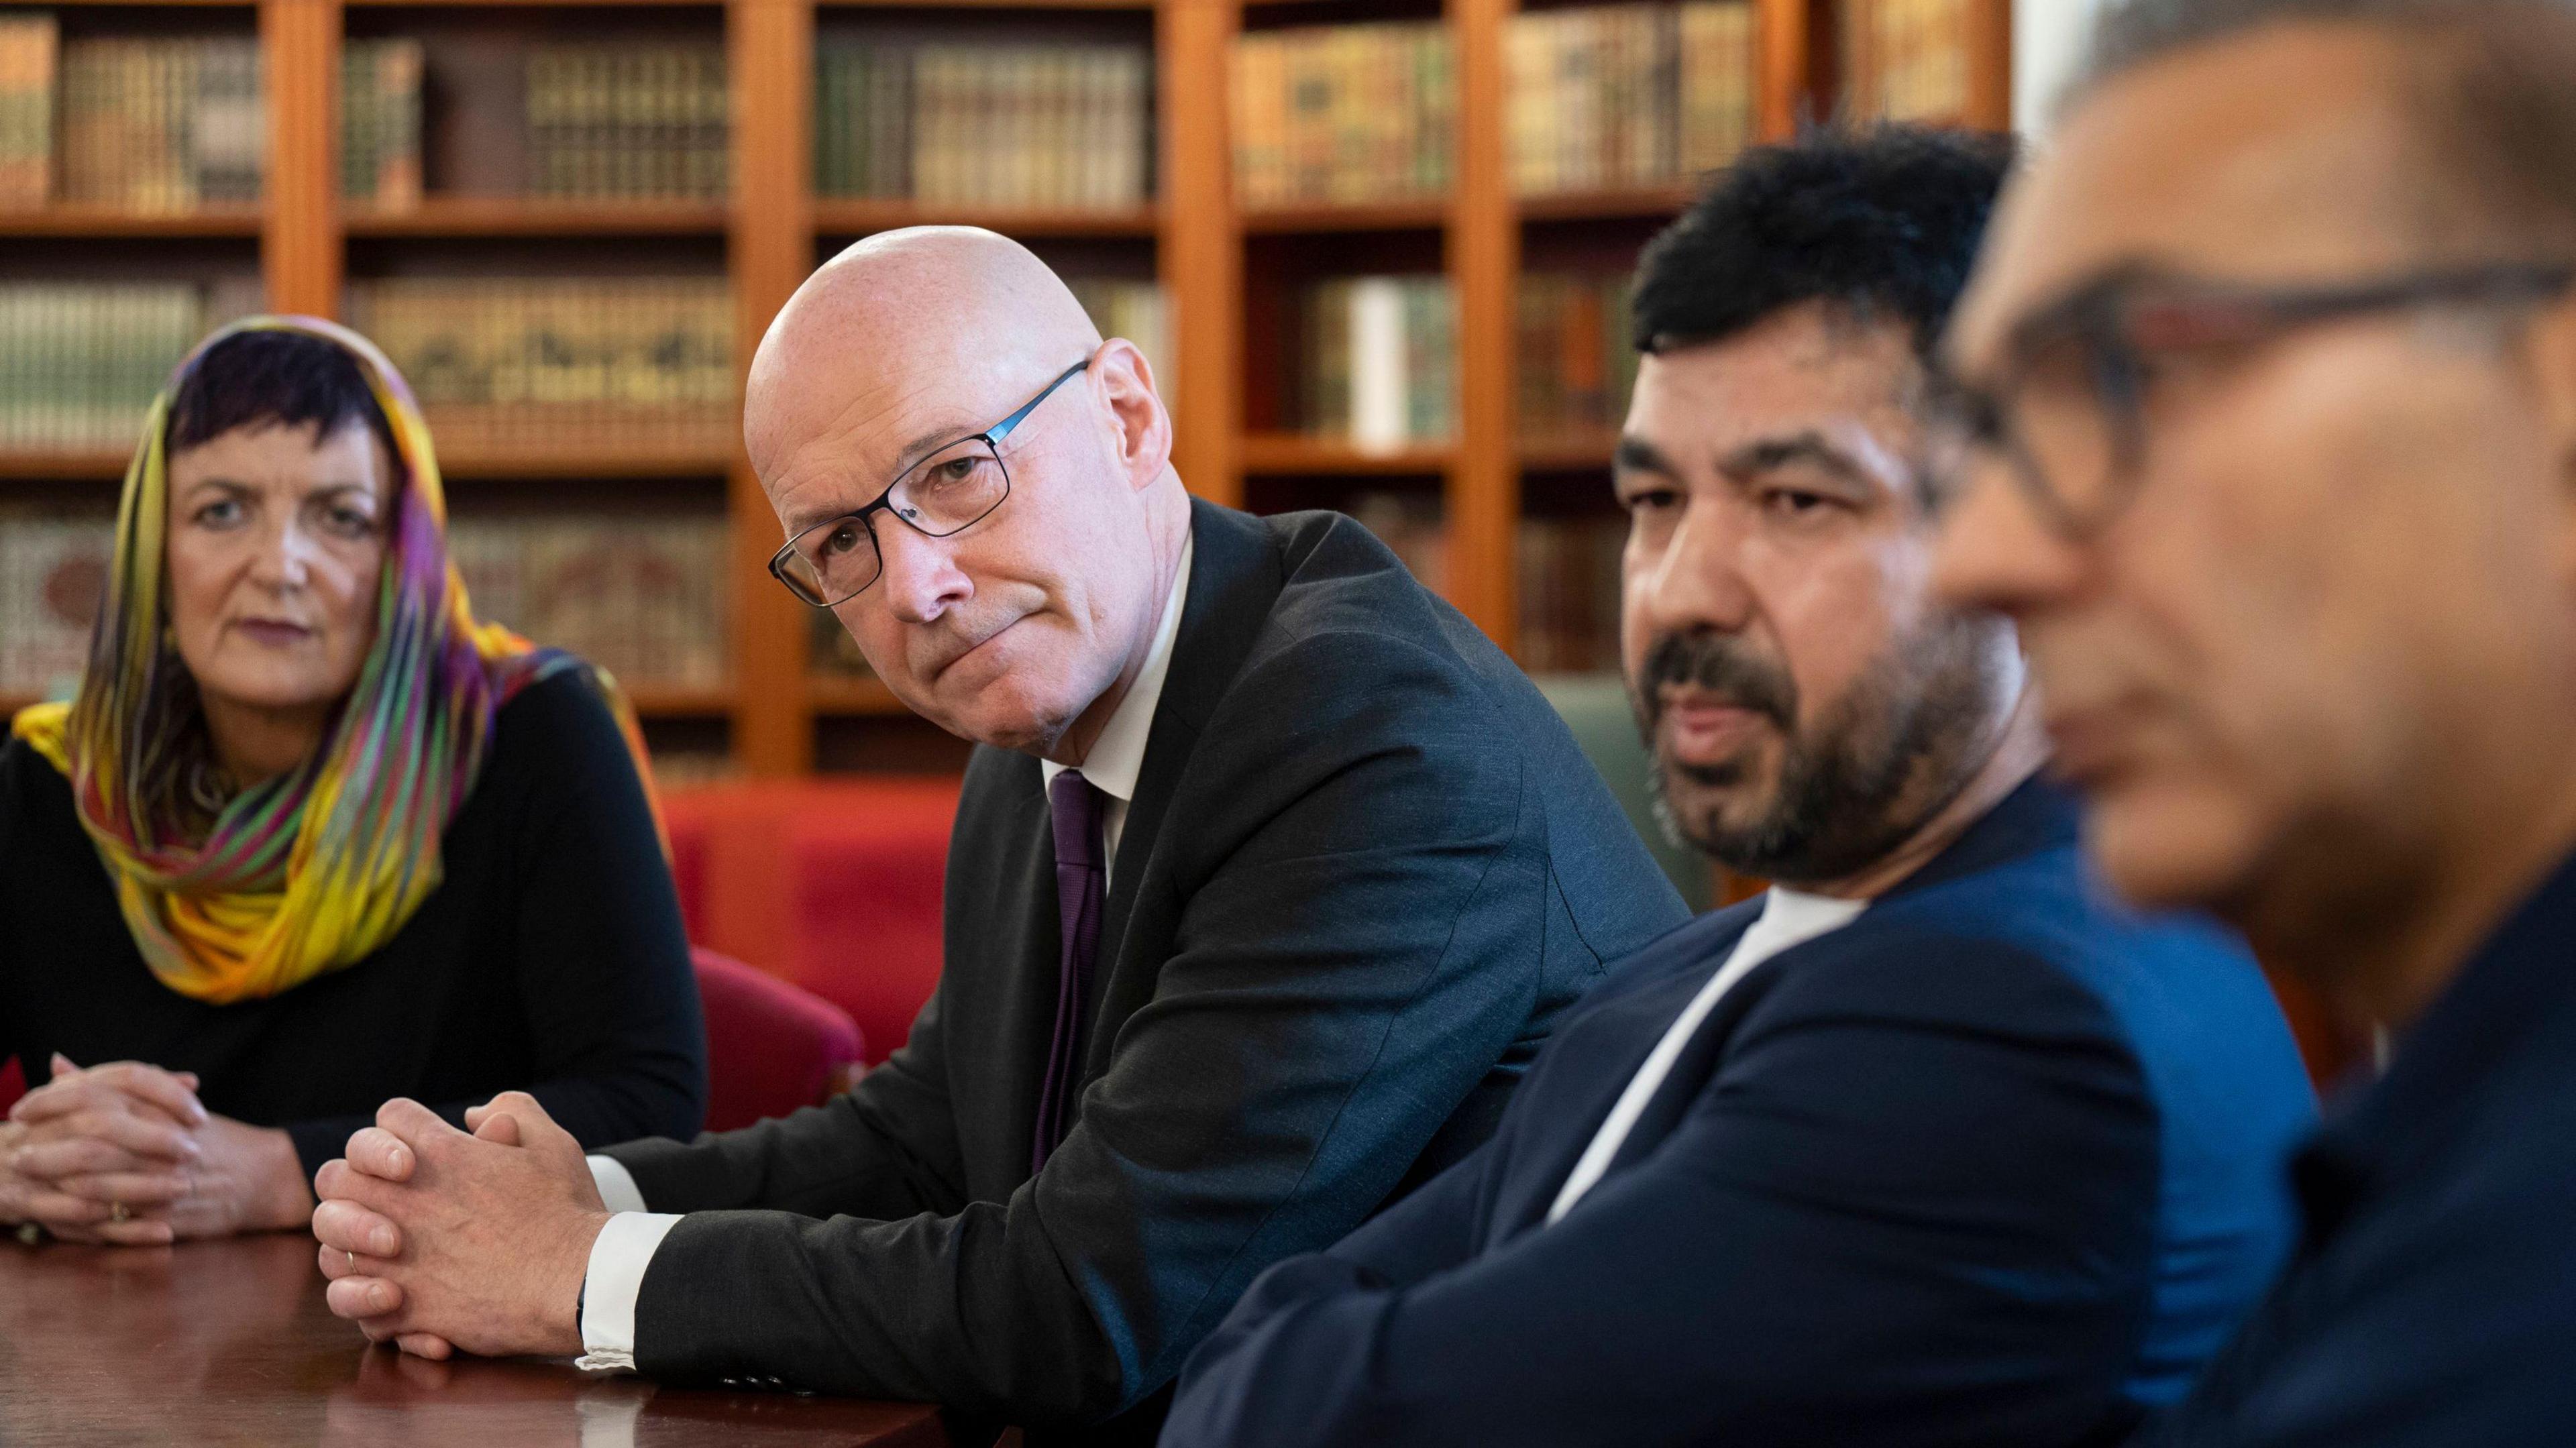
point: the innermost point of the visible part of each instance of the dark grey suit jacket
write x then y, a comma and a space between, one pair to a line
1365, 869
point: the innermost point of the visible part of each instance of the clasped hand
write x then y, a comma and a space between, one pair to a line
125, 1153
437, 1240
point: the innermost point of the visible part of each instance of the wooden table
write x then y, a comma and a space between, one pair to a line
229, 1342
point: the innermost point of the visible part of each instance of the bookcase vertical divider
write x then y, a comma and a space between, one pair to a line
300, 226
1483, 500
1201, 252
770, 242
1789, 84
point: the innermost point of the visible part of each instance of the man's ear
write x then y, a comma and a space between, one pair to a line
1144, 437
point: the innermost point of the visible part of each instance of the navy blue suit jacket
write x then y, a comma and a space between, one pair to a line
1995, 1164
2432, 1303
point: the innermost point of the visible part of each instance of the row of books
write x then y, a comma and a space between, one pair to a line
1343, 114
29, 45
1577, 363
1907, 60
1377, 362
1137, 311
80, 361
151, 126
1567, 570
380, 84
994, 125
53, 574
628, 120
1628, 96
642, 596
560, 365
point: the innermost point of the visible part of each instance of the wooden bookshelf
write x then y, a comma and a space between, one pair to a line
497, 216
106, 223
853, 697
846, 216
1286, 454
1194, 239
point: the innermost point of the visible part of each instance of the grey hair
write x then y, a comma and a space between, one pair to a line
2491, 82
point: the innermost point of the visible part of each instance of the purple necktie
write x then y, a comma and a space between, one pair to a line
1081, 879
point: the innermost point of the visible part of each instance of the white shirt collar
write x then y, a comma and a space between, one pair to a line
1118, 755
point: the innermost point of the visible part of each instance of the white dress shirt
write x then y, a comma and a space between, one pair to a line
1788, 918
625, 1247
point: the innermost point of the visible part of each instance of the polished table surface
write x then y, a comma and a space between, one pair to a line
229, 1342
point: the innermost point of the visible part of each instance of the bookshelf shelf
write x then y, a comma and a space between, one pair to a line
1289, 454
480, 464
1113, 5
63, 467
1570, 453
1373, 216
104, 222
472, 216
839, 696
1648, 205
663, 701
854, 216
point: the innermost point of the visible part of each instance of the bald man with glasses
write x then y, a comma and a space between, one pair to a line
1267, 881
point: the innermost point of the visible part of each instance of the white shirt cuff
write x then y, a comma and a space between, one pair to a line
616, 1278
617, 1189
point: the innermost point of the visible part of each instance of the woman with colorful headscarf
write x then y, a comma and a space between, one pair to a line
310, 837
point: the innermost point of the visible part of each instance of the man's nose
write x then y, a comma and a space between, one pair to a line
920, 575
1995, 552
1697, 579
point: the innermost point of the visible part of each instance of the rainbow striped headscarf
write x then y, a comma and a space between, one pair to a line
314, 870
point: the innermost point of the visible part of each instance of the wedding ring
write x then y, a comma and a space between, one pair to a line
116, 1212
353, 1263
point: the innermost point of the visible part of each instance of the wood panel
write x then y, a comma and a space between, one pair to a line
1202, 250
771, 43
1484, 266
300, 233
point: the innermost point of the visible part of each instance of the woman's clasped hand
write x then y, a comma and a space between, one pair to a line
125, 1153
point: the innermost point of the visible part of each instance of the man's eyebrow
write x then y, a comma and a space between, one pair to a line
1773, 453
1635, 454
913, 451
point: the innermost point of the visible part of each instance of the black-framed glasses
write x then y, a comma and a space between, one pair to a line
951, 488
2068, 412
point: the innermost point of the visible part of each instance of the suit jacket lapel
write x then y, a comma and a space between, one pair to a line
1619, 1035
1234, 581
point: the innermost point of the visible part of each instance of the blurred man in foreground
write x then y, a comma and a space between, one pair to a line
2269, 382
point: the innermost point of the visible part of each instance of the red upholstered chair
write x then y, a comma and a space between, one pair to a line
771, 1048
13, 1084
833, 884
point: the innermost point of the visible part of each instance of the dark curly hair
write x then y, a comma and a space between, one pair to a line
1883, 222
284, 379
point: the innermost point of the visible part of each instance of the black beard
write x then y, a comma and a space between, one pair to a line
1892, 752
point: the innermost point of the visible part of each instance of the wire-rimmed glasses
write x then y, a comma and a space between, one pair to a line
953, 487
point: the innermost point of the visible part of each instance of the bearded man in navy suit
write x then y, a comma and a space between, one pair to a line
1933, 1143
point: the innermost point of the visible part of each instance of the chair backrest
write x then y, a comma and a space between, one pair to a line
771, 1047
13, 1084
1596, 712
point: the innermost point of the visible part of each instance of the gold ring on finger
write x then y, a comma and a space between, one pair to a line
116, 1212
